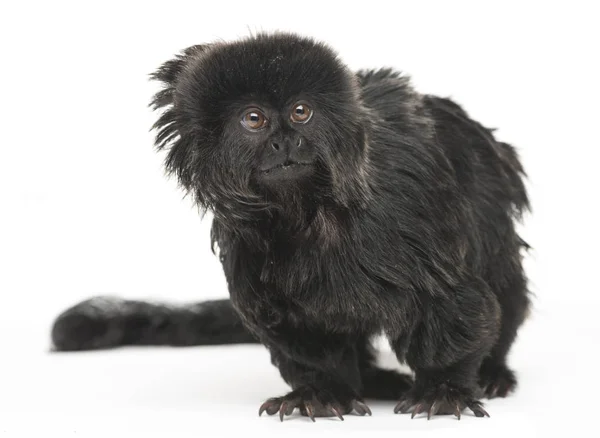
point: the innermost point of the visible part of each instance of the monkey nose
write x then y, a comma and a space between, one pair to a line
286, 145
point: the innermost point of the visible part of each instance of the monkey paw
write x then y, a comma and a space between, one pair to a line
313, 403
496, 380
442, 399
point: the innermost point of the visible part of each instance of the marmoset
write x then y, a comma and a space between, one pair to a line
345, 205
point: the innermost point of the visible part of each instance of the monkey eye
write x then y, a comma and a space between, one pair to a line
301, 113
254, 120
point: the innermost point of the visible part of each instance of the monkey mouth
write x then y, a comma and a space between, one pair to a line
288, 166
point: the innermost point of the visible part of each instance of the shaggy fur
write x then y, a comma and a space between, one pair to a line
388, 211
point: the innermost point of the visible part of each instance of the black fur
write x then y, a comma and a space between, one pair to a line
400, 219
106, 322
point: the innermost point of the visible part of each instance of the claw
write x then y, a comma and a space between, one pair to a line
309, 411
478, 410
271, 406
402, 406
432, 410
418, 409
282, 409
335, 411
446, 399
262, 408
305, 400
457, 411
361, 408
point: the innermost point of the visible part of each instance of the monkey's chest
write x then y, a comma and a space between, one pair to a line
326, 291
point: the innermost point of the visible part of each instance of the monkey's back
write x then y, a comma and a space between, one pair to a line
457, 149
448, 190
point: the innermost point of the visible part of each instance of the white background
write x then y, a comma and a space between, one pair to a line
86, 209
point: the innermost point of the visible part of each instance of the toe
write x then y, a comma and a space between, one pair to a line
361, 408
271, 406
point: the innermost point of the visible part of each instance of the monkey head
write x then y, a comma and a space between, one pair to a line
262, 122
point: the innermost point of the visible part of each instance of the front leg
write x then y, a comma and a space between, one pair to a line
444, 390
324, 377
446, 350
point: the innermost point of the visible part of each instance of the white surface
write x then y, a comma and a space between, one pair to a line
85, 208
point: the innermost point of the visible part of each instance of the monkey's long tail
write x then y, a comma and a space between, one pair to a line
107, 322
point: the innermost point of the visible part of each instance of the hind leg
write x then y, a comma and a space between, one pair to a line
496, 378
508, 280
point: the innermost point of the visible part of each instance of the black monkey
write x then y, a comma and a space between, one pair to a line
345, 205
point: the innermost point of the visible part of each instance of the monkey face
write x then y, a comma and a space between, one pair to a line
284, 153
262, 121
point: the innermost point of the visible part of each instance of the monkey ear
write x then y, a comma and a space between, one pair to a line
169, 74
